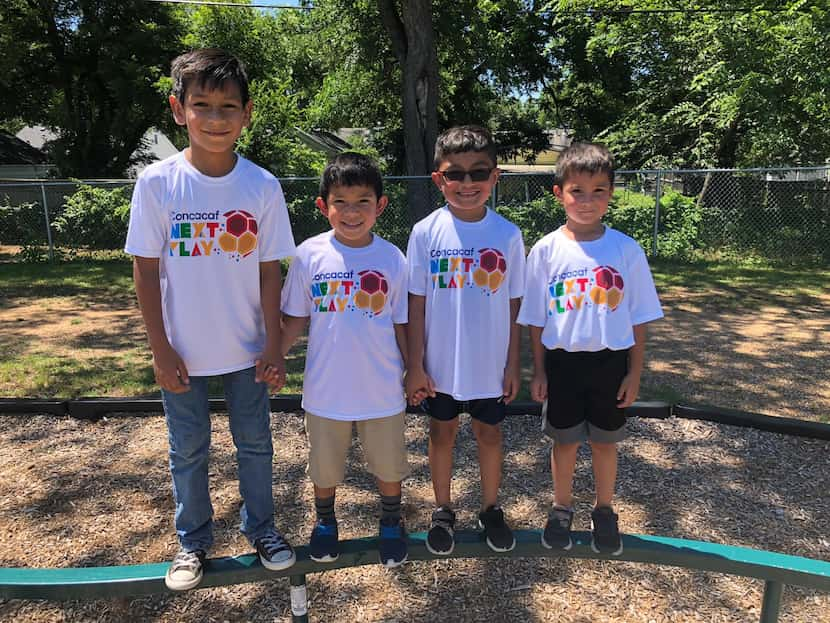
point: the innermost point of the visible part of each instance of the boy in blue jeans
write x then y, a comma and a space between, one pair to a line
207, 230
588, 298
466, 278
351, 284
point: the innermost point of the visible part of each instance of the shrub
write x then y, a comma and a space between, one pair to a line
94, 218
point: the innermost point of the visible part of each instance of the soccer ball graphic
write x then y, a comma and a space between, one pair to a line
240, 233
608, 287
491, 269
373, 291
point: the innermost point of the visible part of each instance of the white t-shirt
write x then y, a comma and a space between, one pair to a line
354, 296
588, 295
210, 234
468, 273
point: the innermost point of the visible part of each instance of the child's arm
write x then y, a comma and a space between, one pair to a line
512, 371
292, 328
539, 382
400, 338
168, 366
418, 382
270, 366
630, 386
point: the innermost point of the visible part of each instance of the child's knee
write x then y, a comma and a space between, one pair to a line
603, 447
487, 434
442, 433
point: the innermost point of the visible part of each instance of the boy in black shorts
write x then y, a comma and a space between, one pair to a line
588, 296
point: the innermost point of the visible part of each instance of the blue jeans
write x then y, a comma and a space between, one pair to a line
188, 426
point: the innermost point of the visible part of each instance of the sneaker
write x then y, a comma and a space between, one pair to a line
185, 571
498, 534
275, 553
557, 532
324, 545
605, 537
392, 546
440, 541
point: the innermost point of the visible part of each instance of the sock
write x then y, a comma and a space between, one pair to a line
324, 508
390, 507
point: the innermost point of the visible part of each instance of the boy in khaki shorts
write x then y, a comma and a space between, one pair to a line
352, 285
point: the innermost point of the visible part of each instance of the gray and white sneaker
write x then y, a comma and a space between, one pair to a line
185, 572
557, 533
275, 553
440, 538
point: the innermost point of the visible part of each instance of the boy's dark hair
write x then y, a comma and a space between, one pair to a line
210, 68
351, 169
590, 158
464, 138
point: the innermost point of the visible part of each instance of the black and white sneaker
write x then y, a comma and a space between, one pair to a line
185, 572
498, 534
557, 534
274, 551
440, 539
605, 533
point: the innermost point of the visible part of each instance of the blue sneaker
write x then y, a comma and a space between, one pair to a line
324, 544
392, 546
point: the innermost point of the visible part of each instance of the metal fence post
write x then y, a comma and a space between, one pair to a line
48, 228
299, 599
657, 194
772, 601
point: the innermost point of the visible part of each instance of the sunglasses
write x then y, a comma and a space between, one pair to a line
476, 175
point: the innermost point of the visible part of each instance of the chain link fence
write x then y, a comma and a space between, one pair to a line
778, 214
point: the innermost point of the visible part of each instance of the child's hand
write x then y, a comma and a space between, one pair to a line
419, 385
170, 371
270, 369
512, 383
539, 387
629, 388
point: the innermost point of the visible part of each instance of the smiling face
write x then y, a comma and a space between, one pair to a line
352, 212
467, 199
214, 119
585, 197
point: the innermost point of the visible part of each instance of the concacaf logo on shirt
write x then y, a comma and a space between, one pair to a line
200, 234
603, 286
342, 291
466, 268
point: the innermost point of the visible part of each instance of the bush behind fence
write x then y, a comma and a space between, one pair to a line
778, 214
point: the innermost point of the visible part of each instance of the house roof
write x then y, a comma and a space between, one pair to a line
15, 151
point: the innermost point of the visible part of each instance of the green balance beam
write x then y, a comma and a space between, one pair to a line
104, 582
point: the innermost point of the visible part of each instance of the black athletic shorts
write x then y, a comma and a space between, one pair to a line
582, 395
445, 408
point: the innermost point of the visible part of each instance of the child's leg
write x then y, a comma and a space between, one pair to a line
250, 422
324, 502
188, 426
489, 438
390, 500
441, 444
562, 464
604, 459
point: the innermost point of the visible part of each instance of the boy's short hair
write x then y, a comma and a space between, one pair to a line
210, 68
350, 168
590, 158
464, 138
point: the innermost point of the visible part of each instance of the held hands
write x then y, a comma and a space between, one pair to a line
629, 388
270, 369
539, 387
170, 371
419, 385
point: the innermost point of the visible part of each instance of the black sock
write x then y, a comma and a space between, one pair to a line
390, 507
324, 508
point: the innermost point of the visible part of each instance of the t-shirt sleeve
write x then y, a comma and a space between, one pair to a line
533, 311
415, 260
644, 304
147, 231
399, 299
296, 293
517, 266
277, 240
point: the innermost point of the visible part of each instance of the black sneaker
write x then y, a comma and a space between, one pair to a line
275, 553
557, 532
185, 572
605, 537
440, 539
324, 543
498, 534
392, 548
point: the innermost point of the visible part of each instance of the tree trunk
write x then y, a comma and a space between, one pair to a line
413, 39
